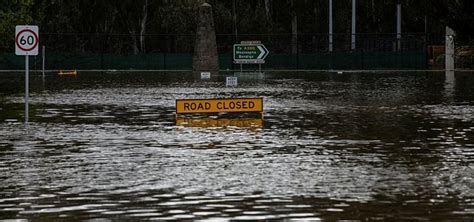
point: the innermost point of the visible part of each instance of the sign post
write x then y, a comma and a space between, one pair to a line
44, 54
26, 43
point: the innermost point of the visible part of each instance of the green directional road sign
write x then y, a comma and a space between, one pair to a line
250, 53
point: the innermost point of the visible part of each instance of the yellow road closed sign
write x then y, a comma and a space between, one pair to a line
219, 105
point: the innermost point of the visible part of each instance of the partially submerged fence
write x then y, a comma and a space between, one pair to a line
174, 52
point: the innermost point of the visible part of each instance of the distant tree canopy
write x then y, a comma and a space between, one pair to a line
457, 14
13, 13
134, 19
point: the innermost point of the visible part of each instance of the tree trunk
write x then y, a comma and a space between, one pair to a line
135, 42
316, 14
294, 29
268, 8
143, 26
234, 18
268, 13
375, 19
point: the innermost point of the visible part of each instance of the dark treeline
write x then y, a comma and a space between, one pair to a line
133, 23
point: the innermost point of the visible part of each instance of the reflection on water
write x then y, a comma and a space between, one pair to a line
209, 122
382, 146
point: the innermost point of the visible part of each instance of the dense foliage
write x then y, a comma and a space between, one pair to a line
134, 19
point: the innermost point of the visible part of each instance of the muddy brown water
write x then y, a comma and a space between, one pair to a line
351, 146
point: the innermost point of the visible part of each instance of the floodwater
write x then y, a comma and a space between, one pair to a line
351, 146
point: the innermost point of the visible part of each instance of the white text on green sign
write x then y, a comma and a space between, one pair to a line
250, 53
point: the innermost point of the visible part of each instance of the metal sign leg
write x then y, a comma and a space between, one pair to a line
27, 85
43, 60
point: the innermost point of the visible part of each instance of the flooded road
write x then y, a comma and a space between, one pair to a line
352, 146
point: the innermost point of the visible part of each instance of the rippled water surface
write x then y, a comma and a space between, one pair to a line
352, 146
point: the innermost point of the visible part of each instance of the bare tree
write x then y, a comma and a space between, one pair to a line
143, 22
294, 28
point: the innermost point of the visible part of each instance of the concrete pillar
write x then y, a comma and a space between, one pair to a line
449, 53
205, 57
449, 84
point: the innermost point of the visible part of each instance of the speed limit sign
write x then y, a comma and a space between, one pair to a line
26, 40
26, 44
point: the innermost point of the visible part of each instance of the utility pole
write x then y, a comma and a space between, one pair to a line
399, 25
353, 32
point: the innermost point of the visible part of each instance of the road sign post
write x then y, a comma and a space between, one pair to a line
43, 57
26, 43
27, 86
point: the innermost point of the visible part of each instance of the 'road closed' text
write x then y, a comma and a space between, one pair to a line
219, 105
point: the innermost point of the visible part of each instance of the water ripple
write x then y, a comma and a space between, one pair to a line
331, 147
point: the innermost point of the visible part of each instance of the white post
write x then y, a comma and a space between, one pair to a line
449, 84
399, 25
43, 52
353, 37
330, 26
27, 85
449, 49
